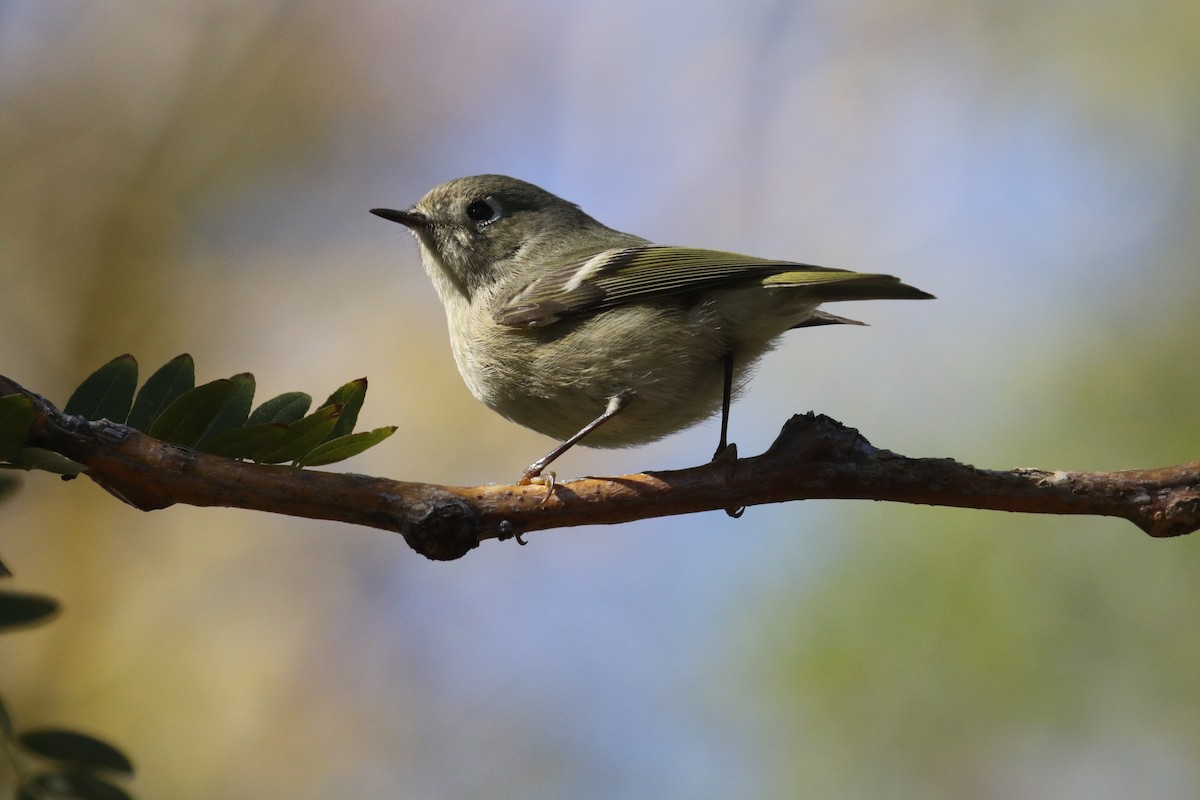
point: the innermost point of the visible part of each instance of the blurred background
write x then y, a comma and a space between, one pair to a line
195, 177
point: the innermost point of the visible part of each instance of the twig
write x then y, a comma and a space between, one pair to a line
814, 457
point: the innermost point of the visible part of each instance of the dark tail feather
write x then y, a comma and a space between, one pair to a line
825, 318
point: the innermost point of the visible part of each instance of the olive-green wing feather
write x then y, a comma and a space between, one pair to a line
632, 274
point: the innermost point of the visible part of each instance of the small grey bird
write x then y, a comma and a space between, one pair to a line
594, 336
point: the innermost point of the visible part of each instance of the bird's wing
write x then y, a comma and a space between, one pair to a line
632, 274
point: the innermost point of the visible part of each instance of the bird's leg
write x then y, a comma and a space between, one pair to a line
723, 447
615, 404
726, 452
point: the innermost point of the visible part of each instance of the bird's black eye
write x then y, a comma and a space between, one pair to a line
483, 211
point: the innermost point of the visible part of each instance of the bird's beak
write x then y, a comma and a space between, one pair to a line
412, 219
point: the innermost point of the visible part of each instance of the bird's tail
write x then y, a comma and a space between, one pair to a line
835, 285
819, 317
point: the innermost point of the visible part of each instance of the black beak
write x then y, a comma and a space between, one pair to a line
411, 219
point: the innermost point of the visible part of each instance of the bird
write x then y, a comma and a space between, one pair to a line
602, 338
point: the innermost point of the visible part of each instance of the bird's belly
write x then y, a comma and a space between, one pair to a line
556, 380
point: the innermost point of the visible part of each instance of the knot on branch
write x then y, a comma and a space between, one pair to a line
440, 526
814, 437
1177, 514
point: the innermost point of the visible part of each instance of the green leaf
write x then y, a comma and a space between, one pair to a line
350, 397
57, 744
234, 412
16, 415
71, 785
248, 442
18, 609
344, 447
186, 419
170, 380
48, 460
303, 436
287, 407
108, 392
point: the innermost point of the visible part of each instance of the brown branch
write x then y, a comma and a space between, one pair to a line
814, 457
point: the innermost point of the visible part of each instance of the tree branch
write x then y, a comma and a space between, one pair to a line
814, 457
